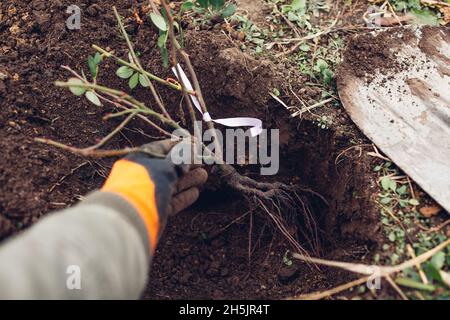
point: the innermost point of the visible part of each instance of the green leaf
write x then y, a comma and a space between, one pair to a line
125, 72
305, 47
97, 58
411, 273
229, 10
438, 260
403, 203
92, 97
298, 5
392, 237
158, 21
394, 258
143, 81
76, 90
402, 190
327, 75
392, 185
165, 57
432, 272
292, 16
176, 26
134, 80
92, 66
162, 40
385, 200
285, 9
406, 282
321, 65
413, 202
385, 183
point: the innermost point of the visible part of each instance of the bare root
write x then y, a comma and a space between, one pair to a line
285, 205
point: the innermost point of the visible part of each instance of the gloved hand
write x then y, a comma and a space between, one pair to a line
155, 186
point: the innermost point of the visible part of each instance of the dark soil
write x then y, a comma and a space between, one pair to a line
369, 53
204, 252
428, 44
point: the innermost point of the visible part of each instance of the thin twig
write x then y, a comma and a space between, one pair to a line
303, 39
435, 229
88, 153
370, 269
103, 141
196, 84
65, 176
418, 266
331, 292
393, 12
396, 288
141, 116
316, 105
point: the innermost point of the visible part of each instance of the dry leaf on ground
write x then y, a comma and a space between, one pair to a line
430, 211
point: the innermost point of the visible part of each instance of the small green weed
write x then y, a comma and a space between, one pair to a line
400, 221
210, 9
287, 258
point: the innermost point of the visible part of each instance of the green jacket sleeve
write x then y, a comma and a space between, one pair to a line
98, 249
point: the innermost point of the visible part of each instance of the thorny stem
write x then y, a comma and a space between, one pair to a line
194, 79
138, 63
178, 69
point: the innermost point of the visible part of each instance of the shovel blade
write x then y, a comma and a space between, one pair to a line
400, 99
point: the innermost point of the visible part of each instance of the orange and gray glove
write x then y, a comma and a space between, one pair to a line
155, 186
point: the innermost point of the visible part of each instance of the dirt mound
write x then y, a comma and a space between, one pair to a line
230, 73
214, 250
